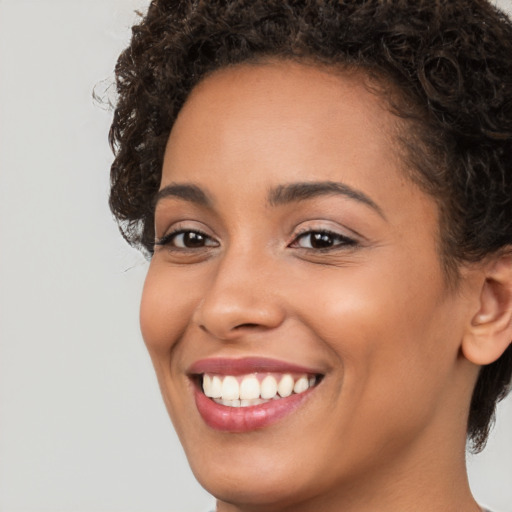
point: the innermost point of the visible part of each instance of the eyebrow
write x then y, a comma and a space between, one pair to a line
293, 192
280, 195
186, 192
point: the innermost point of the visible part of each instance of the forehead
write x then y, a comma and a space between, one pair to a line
272, 81
283, 121
261, 108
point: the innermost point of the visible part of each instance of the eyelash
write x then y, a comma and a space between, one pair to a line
167, 240
321, 235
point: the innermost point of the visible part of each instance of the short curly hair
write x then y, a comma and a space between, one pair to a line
448, 61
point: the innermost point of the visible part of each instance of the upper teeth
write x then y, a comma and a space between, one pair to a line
251, 390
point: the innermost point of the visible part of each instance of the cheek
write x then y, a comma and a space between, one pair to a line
165, 310
394, 337
394, 359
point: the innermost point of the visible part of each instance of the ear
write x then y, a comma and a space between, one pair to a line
490, 332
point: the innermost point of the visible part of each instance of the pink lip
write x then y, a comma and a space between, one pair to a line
245, 419
227, 366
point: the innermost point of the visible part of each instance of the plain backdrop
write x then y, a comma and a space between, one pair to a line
82, 424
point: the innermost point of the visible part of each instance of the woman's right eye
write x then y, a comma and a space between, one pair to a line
184, 239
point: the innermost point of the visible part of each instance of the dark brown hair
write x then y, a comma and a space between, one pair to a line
448, 61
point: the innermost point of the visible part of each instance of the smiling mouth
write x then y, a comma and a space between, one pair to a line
252, 393
256, 388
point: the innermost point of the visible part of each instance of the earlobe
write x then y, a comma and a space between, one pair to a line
490, 332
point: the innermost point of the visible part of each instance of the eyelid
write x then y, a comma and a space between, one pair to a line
183, 224
326, 226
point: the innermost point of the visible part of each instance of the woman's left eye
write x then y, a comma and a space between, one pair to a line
322, 240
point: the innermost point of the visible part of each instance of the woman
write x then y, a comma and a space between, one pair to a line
325, 192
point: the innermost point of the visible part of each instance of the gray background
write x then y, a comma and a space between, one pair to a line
82, 426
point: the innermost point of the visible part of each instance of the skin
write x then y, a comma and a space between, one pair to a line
385, 429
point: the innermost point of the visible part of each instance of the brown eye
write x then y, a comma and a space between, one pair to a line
187, 239
190, 239
323, 240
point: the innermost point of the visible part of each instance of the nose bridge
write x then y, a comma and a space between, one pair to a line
240, 296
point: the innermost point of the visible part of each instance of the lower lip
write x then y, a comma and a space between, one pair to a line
245, 419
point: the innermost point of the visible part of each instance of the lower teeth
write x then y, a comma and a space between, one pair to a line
240, 403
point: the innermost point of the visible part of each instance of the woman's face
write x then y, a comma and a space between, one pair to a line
294, 253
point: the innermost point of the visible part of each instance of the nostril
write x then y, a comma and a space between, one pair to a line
237, 327
249, 326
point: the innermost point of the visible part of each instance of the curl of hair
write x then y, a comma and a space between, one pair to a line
448, 61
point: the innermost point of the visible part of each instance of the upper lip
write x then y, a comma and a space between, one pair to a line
242, 366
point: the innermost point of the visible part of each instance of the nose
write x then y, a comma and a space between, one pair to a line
240, 298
